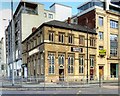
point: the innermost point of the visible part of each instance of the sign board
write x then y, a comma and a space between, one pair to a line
33, 51
76, 49
102, 52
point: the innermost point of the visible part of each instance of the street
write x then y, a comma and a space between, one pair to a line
92, 89
32, 88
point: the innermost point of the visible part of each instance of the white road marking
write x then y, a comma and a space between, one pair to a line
111, 87
78, 92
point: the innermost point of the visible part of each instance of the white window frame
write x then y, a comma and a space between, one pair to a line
70, 64
51, 58
101, 36
81, 64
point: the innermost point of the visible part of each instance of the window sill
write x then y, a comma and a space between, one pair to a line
70, 74
51, 74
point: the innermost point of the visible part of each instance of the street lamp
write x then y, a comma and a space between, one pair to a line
86, 20
13, 44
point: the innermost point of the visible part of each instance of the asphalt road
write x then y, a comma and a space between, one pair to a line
90, 90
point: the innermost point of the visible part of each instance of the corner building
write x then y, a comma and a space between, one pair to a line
57, 51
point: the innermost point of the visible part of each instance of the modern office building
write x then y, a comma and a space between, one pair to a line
27, 16
104, 17
58, 51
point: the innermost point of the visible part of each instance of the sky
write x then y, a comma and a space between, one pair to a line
5, 8
5, 4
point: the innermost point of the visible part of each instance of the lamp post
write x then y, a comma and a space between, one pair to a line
86, 20
13, 43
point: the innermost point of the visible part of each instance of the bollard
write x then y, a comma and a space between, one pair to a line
44, 85
99, 80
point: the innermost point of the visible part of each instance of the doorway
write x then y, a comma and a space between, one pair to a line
61, 74
91, 74
114, 70
101, 71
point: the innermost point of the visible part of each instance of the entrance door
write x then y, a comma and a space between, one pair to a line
61, 74
91, 74
101, 70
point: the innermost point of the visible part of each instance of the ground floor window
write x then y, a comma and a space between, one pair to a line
81, 64
51, 59
61, 59
70, 63
114, 70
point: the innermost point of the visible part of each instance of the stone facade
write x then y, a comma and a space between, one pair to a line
58, 57
106, 22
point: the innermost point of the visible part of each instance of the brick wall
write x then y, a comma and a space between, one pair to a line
91, 19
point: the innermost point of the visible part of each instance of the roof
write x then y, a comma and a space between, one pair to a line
60, 4
116, 2
64, 25
28, 3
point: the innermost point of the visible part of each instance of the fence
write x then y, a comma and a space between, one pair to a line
40, 83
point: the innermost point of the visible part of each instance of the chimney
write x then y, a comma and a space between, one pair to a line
33, 29
107, 3
69, 20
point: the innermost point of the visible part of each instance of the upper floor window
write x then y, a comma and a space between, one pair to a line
81, 40
61, 37
32, 44
51, 16
70, 38
113, 44
75, 21
35, 42
92, 41
37, 38
113, 24
100, 47
2, 67
41, 37
51, 36
45, 14
92, 60
113, 51
100, 35
100, 21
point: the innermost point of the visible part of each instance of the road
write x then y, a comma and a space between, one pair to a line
90, 90
35, 89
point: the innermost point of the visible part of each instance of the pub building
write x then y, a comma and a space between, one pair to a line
57, 51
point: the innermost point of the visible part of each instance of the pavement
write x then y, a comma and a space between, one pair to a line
90, 91
41, 89
6, 85
54, 86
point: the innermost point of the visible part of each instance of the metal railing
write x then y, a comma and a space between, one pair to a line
66, 82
